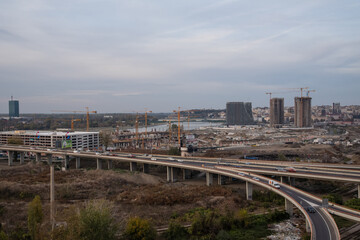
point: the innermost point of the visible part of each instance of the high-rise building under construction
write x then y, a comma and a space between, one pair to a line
303, 112
239, 113
276, 111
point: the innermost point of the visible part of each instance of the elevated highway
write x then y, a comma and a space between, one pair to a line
320, 223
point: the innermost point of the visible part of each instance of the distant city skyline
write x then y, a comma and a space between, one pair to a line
125, 56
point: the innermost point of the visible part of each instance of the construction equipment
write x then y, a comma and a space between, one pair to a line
309, 91
179, 137
137, 128
87, 115
72, 123
146, 112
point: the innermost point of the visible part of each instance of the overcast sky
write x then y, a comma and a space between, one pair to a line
124, 56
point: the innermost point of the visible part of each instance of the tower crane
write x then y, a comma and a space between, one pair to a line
179, 137
309, 91
146, 112
72, 123
87, 115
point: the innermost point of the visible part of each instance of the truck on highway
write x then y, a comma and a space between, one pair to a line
274, 183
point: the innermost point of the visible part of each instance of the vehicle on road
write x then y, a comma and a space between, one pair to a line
180, 160
280, 169
247, 163
310, 209
290, 169
76, 151
153, 159
274, 184
241, 174
97, 153
256, 178
131, 155
171, 158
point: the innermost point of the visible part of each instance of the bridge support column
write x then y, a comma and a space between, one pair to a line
170, 174
98, 164
133, 166
22, 157
77, 163
209, 179
307, 227
146, 168
358, 187
66, 162
186, 174
110, 164
220, 180
38, 157
49, 159
249, 190
291, 181
289, 207
281, 179
10, 158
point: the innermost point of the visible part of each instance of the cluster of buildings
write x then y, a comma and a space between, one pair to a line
241, 113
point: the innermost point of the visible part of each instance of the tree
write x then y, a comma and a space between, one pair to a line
35, 217
174, 151
139, 229
105, 138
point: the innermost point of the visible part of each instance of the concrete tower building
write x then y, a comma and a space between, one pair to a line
13, 108
336, 108
303, 112
239, 113
276, 111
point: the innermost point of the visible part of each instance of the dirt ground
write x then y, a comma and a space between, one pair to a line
132, 194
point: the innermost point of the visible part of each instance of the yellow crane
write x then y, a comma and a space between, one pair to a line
72, 123
178, 114
146, 112
87, 115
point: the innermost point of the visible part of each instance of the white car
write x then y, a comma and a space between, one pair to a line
180, 160
97, 153
256, 179
154, 159
170, 158
76, 151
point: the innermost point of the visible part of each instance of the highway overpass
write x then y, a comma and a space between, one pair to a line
320, 223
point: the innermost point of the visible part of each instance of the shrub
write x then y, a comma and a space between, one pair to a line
176, 232
35, 217
353, 203
139, 229
335, 198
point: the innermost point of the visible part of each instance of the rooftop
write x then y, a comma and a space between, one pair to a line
45, 133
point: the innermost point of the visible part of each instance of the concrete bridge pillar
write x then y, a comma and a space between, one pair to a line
22, 157
291, 181
10, 158
110, 164
186, 174
220, 180
170, 174
281, 179
358, 187
146, 168
38, 157
184, 151
77, 163
133, 166
49, 158
249, 190
98, 164
209, 179
289, 207
66, 162
307, 227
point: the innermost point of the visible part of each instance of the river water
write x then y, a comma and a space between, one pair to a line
165, 127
